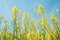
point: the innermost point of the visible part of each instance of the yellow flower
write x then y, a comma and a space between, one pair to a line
5, 24
14, 10
39, 11
42, 24
52, 17
40, 7
56, 20
42, 37
48, 36
2, 16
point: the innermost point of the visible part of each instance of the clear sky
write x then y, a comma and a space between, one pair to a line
28, 6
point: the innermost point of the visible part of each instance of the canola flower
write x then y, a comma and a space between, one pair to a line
40, 6
24, 28
48, 36
14, 10
5, 24
53, 18
39, 10
42, 23
2, 16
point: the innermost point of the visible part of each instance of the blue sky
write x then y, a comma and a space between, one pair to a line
28, 6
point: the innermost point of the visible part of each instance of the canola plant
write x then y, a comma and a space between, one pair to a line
24, 28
